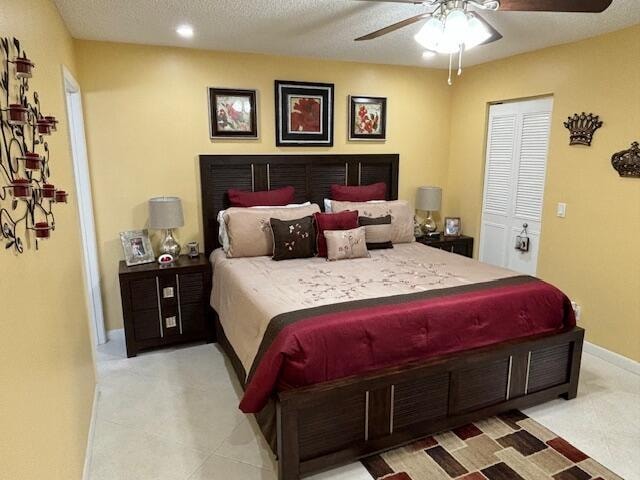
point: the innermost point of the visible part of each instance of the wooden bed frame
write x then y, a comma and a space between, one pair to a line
328, 424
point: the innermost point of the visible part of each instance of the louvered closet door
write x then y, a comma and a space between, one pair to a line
517, 148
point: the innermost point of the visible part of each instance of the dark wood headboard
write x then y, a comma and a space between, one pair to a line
311, 175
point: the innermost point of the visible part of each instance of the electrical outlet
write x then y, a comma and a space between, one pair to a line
577, 310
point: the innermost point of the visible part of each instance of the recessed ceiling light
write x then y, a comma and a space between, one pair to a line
185, 31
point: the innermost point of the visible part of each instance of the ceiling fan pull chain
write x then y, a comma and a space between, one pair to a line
450, 82
460, 60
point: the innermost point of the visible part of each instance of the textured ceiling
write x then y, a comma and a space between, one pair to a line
321, 28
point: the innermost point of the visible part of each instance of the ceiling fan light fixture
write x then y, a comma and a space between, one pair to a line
455, 26
430, 34
477, 33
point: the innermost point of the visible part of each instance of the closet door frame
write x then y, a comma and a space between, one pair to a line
499, 225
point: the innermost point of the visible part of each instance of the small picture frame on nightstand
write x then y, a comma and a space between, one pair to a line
452, 227
137, 247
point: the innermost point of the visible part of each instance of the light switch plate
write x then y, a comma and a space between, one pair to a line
170, 322
562, 210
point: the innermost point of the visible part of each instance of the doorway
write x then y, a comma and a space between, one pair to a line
515, 169
85, 205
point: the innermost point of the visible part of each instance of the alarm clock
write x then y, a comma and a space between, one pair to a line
165, 259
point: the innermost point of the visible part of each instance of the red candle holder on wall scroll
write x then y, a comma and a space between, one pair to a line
24, 67
21, 188
43, 126
42, 229
18, 114
53, 123
61, 196
32, 161
48, 191
27, 194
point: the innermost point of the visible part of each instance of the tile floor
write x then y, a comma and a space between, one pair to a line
172, 415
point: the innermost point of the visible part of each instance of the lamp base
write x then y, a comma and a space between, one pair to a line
429, 226
169, 244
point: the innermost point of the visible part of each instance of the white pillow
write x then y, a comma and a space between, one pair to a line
223, 235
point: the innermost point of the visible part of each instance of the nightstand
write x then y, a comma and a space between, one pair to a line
166, 305
461, 245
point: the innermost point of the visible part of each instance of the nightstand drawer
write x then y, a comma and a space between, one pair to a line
192, 288
146, 324
144, 292
193, 318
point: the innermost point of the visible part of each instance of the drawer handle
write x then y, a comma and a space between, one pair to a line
159, 307
167, 292
170, 322
179, 309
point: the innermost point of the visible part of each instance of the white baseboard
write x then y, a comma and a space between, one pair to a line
86, 472
115, 334
612, 357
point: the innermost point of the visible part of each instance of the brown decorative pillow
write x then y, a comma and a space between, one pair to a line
344, 244
293, 238
377, 231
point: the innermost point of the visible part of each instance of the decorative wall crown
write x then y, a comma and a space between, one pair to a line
582, 128
627, 162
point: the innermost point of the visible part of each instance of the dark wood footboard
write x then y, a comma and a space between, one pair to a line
328, 424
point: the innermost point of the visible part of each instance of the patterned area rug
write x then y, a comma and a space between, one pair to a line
508, 447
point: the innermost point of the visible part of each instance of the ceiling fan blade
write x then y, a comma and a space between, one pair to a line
495, 34
395, 26
584, 6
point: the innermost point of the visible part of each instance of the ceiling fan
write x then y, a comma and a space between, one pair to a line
452, 28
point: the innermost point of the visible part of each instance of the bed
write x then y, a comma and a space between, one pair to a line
369, 354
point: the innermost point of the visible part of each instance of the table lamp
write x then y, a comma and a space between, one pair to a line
429, 199
165, 213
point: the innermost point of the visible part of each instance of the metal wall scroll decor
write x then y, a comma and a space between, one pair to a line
582, 128
26, 192
627, 162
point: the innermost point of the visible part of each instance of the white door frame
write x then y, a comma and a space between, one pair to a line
516, 109
85, 205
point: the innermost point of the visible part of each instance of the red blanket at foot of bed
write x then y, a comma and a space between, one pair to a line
334, 341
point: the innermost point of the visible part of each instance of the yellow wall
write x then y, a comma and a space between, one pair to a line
46, 369
593, 253
146, 114
147, 121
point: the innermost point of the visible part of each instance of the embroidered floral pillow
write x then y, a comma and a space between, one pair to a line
293, 238
344, 244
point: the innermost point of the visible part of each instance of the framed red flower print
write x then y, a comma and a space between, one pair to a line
304, 114
232, 113
367, 118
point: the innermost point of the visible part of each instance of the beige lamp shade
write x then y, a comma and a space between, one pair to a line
429, 199
165, 212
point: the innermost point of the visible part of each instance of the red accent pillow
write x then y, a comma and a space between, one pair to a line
363, 193
332, 221
266, 198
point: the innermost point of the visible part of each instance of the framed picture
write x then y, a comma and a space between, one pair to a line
452, 226
137, 247
232, 113
304, 114
367, 118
